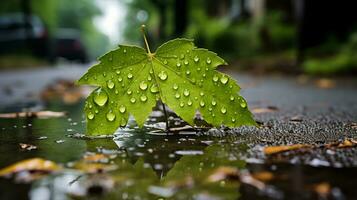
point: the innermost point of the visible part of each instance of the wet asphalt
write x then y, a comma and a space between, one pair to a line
304, 112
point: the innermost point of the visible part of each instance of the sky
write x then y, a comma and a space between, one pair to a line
113, 18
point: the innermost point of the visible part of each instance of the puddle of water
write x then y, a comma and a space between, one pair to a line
151, 166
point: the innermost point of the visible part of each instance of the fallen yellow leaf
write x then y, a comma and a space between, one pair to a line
222, 173
263, 176
322, 189
39, 114
279, 149
325, 83
33, 164
96, 158
94, 167
264, 110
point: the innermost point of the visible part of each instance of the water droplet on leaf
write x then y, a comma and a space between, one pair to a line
243, 104
177, 95
186, 93
175, 87
162, 75
224, 79
123, 122
223, 110
231, 98
90, 115
110, 116
196, 59
110, 84
143, 85
215, 78
214, 102
143, 98
100, 97
132, 100
130, 75
154, 88
122, 109
189, 102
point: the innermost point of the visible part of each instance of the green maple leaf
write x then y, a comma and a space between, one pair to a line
131, 81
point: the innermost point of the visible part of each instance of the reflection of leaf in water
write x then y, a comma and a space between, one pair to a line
199, 167
188, 178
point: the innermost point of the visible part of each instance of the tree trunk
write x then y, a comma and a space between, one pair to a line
180, 17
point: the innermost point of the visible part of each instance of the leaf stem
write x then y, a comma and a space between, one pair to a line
166, 118
146, 41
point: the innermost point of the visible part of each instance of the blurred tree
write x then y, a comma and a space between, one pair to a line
57, 14
180, 8
79, 15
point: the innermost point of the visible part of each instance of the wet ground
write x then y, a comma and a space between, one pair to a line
215, 164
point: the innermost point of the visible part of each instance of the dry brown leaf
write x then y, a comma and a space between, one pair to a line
296, 118
93, 168
222, 173
354, 125
39, 114
96, 158
263, 176
250, 180
264, 110
33, 164
65, 90
347, 143
323, 189
28, 147
278, 149
325, 83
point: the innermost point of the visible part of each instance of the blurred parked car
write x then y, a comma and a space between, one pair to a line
16, 35
70, 46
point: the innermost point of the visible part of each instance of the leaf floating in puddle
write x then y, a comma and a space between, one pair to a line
65, 90
33, 164
264, 110
322, 189
263, 176
223, 173
278, 149
93, 168
28, 147
95, 163
189, 152
102, 158
39, 114
325, 83
347, 143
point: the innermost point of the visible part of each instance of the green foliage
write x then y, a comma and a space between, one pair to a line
342, 61
179, 74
